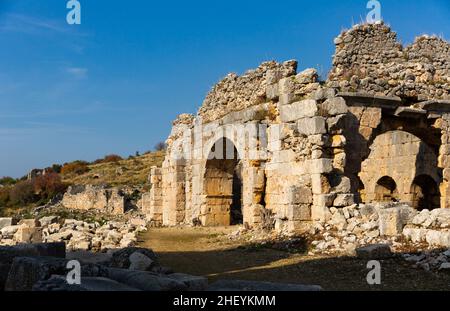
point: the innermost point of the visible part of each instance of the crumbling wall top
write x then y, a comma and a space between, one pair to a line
235, 93
369, 58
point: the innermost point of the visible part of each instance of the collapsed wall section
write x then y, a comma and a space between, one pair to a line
369, 58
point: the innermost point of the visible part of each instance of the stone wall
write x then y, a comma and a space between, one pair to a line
94, 197
319, 145
235, 93
370, 58
401, 156
151, 203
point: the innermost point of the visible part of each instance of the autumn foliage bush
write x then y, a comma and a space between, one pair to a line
37, 190
47, 186
111, 158
77, 167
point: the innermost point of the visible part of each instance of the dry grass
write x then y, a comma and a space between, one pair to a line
209, 252
129, 172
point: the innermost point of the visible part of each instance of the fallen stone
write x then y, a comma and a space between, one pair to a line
373, 252
121, 258
140, 262
6, 222
415, 235
28, 234
45, 221
391, 223
31, 223
343, 200
9, 231
145, 281
27, 271
445, 266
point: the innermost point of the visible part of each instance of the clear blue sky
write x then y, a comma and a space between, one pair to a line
115, 83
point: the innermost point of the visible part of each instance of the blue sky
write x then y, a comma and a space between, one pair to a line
114, 83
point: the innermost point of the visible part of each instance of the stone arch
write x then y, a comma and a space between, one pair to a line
225, 136
401, 156
386, 190
222, 186
425, 193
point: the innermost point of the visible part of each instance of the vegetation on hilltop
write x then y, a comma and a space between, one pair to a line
112, 170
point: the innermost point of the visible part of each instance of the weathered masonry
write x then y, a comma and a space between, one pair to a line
376, 131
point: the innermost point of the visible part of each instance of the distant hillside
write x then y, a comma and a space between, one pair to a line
129, 172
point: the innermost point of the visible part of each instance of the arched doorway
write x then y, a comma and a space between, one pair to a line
386, 190
425, 193
223, 186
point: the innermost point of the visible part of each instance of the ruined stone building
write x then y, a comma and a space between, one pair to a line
376, 130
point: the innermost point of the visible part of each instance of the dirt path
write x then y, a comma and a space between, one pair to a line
209, 252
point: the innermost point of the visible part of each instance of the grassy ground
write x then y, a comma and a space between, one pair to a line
129, 172
209, 252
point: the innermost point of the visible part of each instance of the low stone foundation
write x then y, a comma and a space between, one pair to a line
88, 197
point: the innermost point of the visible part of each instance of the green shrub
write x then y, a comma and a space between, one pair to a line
7, 181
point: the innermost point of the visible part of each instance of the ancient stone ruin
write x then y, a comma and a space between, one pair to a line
99, 198
282, 149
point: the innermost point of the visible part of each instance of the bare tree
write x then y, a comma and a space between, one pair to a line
160, 146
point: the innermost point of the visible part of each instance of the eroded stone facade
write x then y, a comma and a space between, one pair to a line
377, 129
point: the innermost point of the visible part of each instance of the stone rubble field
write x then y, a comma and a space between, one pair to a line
77, 234
44, 267
366, 231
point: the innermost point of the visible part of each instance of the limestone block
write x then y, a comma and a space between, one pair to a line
415, 235
335, 106
326, 200
320, 184
298, 110
320, 213
390, 222
338, 220
321, 166
344, 185
338, 141
371, 117
26, 234
9, 231
272, 92
307, 76
320, 140
343, 200
6, 222
30, 223
300, 195
365, 132
45, 221
438, 238
311, 126
340, 161
299, 212
336, 124
286, 86
285, 99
